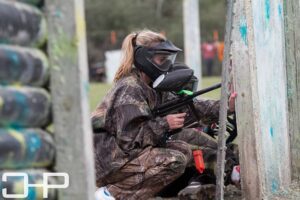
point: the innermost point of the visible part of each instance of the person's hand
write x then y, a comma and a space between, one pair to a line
231, 102
176, 121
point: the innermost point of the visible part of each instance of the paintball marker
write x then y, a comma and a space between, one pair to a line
181, 79
184, 100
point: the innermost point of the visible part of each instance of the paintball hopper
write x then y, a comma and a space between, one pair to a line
192, 85
174, 80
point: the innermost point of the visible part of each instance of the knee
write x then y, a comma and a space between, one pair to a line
179, 163
182, 147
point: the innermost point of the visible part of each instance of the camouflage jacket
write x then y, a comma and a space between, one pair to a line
125, 126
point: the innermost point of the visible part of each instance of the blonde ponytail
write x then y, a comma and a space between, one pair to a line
127, 58
145, 38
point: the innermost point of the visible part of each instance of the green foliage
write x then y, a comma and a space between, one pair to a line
125, 16
212, 17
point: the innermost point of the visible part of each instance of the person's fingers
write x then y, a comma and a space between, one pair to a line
176, 121
177, 126
179, 120
232, 101
179, 115
233, 95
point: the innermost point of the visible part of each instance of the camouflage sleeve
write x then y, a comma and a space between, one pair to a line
136, 128
208, 110
98, 118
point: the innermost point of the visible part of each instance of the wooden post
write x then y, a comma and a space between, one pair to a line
251, 179
292, 37
224, 103
69, 88
259, 63
192, 41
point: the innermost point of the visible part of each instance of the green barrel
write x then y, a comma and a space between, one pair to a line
15, 185
23, 66
25, 148
21, 24
24, 107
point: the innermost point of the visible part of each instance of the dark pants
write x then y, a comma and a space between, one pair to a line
209, 66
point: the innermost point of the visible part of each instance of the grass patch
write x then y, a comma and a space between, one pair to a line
98, 90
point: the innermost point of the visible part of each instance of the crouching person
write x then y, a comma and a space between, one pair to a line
134, 159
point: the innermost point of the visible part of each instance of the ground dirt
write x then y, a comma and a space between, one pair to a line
230, 193
233, 193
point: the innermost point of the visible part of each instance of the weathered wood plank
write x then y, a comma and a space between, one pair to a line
21, 24
25, 148
225, 92
24, 107
292, 39
192, 41
69, 88
23, 66
249, 161
262, 103
270, 72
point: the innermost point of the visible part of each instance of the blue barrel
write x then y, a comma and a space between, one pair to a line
21, 24
23, 66
25, 148
24, 107
15, 185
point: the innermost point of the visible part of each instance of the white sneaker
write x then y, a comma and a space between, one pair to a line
103, 194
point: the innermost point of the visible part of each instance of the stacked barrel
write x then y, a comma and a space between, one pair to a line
26, 144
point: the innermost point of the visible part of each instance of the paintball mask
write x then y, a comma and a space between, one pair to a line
157, 63
157, 60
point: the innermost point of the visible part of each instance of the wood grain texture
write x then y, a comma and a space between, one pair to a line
225, 92
259, 63
69, 88
292, 41
249, 161
192, 41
